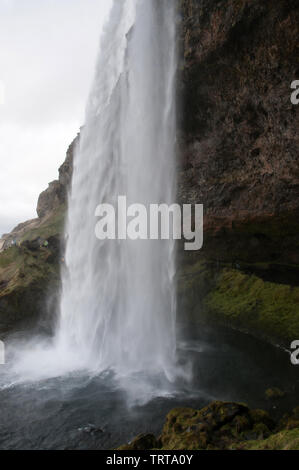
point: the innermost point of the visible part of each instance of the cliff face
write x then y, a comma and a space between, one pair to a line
29, 268
239, 135
51, 203
239, 147
56, 194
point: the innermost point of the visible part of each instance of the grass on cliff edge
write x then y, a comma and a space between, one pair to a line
52, 226
22, 268
19, 267
7, 257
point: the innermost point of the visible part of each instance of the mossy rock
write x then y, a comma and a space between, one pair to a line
30, 274
211, 293
284, 440
215, 426
52, 225
261, 417
290, 421
142, 442
248, 302
218, 426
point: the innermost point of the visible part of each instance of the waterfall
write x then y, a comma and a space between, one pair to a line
118, 296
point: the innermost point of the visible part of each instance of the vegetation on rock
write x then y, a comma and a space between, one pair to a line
235, 298
30, 273
220, 426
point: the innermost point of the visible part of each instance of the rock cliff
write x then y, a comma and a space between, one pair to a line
29, 270
239, 148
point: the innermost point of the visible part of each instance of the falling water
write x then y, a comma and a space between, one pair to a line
117, 307
118, 297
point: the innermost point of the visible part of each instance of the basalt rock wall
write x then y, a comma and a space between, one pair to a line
239, 130
238, 142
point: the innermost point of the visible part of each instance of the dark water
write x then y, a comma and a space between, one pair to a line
80, 412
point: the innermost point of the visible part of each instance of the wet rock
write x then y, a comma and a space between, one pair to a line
90, 429
142, 442
220, 425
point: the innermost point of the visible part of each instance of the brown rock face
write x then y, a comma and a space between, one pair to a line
66, 169
56, 193
50, 199
239, 129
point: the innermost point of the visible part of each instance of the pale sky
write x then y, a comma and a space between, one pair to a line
47, 58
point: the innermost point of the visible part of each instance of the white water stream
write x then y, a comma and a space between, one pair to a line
118, 297
118, 302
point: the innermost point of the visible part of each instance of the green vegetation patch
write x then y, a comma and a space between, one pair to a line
54, 225
248, 301
284, 440
7, 257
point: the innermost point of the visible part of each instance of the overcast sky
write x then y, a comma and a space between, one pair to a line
47, 58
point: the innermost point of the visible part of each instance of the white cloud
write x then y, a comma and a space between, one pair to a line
47, 66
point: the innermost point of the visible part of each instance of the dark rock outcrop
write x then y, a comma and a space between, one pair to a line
239, 127
50, 199
56, 194
221, 426
66, 169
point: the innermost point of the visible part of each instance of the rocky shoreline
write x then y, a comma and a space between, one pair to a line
222, 426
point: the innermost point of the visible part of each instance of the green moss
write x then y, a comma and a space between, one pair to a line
9, 256
209, 292
284, 440
25, 286
247, 301
218, 426
182, 430
28, 275
186, 428
28, 268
